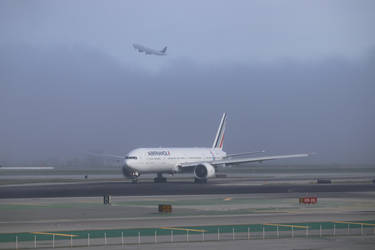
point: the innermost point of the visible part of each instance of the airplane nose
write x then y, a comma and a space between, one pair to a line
126, 163
129, 163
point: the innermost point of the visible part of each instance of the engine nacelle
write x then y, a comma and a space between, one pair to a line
204, 171
130, 172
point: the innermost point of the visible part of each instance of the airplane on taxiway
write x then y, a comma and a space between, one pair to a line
203, 162
149, 51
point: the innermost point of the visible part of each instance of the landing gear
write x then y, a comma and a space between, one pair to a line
135, 181
131, 174
200, 181
160, 179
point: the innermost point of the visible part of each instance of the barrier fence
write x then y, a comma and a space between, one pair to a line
185, 234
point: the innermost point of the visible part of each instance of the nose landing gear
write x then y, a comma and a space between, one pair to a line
130, 173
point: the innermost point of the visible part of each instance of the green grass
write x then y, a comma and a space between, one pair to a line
29, 236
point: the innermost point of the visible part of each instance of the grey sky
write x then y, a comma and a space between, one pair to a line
294, 76
201, 31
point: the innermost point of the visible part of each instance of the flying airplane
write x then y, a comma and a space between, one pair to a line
203, 162
149, 51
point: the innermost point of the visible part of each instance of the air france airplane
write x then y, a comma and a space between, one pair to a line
149, 51
203, 162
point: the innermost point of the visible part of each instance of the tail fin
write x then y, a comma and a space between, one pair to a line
164, 50
218, 142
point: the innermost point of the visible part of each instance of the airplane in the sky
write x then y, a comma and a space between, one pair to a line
203, 162
149, 51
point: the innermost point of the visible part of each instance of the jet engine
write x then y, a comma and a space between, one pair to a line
204, 171
130, 172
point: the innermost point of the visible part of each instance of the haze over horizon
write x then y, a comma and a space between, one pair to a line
293, 76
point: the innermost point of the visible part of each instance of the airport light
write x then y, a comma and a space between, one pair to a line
334, 230
263, 233
292, 232
277, 230
320, 231
122, 238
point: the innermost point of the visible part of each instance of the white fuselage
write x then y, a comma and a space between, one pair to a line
202, 162
167, 160
148, 51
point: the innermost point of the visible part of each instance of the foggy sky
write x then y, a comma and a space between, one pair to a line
293, 76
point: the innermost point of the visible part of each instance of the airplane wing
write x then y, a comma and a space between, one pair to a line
241, 160
119, 157
26, 168
241, 154
256, 159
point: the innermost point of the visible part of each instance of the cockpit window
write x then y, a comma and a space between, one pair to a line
131, 157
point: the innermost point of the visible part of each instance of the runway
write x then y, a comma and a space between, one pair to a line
226, 203
118, 188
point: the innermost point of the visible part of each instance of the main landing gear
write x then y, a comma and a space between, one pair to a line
135, 180
200, 181
160, 179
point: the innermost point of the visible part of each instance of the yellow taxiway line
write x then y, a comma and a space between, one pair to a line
184, 229
282, 225
57, 234
354, 223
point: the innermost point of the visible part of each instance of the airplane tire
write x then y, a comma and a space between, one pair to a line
160, 180
200, 181
134, 181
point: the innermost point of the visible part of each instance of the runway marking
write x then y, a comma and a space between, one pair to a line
283, 225
354, 223
184, 229
57, 234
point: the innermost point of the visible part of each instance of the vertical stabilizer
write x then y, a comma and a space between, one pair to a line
164, 50
219, 139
